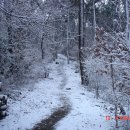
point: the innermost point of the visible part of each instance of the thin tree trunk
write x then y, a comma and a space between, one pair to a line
112, 72
7, 6
68, 59
94, 21
55, 53
42, 48
127, 24
116, 116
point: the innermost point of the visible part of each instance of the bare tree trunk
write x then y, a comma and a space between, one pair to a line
84, 76
127, 24
42, 48
112, 78
112, 72
68, 36
116, 116
7, 6
55, 51
94, 21
97, 92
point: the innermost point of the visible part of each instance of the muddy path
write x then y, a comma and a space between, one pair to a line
50, 122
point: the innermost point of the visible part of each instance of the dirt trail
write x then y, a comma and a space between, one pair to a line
50, 122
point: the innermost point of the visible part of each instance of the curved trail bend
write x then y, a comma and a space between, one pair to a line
50, 122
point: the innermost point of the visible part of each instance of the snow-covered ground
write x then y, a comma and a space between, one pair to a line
87, 113
33, 106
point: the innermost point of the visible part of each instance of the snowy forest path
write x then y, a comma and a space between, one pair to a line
59, 102
50, 122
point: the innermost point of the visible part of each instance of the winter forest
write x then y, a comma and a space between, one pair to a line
64, 64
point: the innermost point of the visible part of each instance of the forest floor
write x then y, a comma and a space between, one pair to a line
58, 103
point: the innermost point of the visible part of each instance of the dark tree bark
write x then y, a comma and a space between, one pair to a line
7, 6
42, 48
84, 76
112, 72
